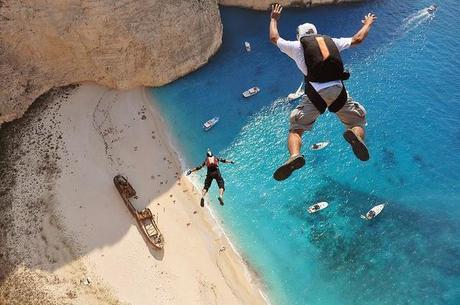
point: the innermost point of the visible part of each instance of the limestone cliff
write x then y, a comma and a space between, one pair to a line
119, 44
265, 4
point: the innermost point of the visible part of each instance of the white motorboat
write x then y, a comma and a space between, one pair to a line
251, 91
432, 8
317, 207
247, 45
319, 145
295, 95
210, 123
373, 212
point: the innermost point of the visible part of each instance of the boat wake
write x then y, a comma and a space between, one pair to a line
416, 19
295, 95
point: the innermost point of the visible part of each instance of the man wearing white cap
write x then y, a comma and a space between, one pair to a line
318, 58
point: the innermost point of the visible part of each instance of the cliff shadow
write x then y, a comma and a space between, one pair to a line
49, 190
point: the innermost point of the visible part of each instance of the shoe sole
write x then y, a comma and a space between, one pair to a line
202, 202
359, 148
285, 170
220, 201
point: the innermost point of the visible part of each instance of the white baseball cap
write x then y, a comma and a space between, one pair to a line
306, 29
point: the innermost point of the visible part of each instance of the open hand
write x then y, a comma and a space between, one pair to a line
369, 19
276, 11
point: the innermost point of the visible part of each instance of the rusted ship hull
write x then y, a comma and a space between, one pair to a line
144, 218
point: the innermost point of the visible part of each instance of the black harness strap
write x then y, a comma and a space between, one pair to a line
340, 101
320, 104
314, 97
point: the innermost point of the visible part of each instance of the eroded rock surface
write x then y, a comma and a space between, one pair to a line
265, 4
120, 44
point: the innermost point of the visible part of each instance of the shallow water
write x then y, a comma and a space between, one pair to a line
405, 74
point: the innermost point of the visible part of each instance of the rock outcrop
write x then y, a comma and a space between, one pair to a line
119, 44
265, 4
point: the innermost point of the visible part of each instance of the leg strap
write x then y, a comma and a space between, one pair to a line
314, 97
320, 104
340, 101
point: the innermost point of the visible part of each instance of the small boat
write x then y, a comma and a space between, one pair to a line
144, 218
247, 45
295, 95
251, 91
210, 123
373, 212
317, 207
432, 8
319, 145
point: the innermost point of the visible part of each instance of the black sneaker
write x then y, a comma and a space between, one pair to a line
357, 144
221, 201
285, 170
202, 202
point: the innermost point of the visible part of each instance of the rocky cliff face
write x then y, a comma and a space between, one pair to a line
119, 44
265, 4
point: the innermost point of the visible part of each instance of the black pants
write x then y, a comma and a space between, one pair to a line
211, 175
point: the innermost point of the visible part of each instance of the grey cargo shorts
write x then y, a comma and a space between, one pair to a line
305, 114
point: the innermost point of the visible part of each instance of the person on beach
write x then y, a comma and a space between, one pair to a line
318, 58
212, 164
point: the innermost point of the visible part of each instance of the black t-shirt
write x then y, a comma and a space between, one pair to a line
212, 170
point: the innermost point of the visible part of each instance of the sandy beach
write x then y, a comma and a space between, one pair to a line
66, 230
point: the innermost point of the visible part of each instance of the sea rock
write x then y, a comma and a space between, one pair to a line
266, 4
120, 44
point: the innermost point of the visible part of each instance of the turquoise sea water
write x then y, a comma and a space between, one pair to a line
406, 75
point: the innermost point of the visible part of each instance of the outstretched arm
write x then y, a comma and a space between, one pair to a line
274, 17
226, 161
195, 169
362, 33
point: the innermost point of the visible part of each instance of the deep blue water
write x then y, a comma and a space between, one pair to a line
406, 74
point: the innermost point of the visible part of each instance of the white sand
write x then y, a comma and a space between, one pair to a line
108, 132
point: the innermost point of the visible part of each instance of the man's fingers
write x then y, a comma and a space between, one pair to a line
278, 8
370, 17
